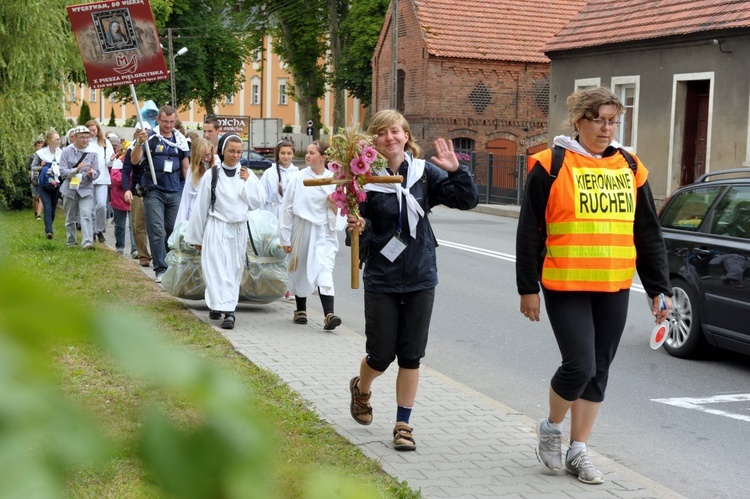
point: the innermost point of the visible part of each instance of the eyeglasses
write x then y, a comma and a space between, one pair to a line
601, 122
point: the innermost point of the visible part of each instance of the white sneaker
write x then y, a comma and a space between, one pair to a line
549, 446
158, 277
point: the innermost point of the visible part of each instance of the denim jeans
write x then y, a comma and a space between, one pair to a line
130, 228
121, 220
161, 211
49, 201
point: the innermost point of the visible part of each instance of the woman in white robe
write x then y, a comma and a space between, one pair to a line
309, 220
218, 229
276, 179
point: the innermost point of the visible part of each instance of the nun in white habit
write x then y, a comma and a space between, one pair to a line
218, 227
308, 224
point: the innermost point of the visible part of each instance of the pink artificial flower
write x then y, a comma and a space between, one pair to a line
369, 154
339, 197
361, 196
334, 166
359, 166
362, 143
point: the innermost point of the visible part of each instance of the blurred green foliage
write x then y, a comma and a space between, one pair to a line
43, 435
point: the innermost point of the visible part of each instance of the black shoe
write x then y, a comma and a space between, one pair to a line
228, 322
100, 237
214, 315
331, 322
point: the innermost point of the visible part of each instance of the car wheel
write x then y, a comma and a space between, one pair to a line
685, 339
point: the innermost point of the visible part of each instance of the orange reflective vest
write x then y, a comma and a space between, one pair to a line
589, 216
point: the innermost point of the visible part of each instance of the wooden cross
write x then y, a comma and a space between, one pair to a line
372, 179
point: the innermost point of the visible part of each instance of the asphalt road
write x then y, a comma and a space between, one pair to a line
663, 418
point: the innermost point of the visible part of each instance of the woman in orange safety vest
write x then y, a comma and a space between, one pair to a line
583, 221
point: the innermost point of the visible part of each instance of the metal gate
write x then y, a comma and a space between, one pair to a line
499, 178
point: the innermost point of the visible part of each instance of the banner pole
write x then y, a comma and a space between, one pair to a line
140, 122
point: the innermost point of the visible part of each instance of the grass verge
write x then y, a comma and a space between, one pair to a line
304, 445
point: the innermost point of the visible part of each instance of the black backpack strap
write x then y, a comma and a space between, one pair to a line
250, 236
80, 160
558, 156
629, 158
214, 181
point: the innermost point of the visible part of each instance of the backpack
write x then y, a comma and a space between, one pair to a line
47, 179
558, 156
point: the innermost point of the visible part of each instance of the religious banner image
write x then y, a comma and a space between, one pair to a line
118, 42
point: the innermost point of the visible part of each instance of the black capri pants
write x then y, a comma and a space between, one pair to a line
588, 327
397, 325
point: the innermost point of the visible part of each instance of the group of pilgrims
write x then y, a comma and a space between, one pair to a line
308, 219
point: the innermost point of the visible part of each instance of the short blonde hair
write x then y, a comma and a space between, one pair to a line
386, 119
586, 104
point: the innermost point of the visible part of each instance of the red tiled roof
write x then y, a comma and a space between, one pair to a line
510, 30
603, 22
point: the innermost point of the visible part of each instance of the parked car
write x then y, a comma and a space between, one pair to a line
255, 161
706, 228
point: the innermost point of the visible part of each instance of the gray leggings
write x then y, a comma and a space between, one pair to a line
588, 327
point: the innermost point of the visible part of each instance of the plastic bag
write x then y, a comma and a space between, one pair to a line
265, 276
184, 276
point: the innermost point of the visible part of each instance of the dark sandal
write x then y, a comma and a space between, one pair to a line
300, 317
360, 407
331, 322
214, 315
402, 438
228, 322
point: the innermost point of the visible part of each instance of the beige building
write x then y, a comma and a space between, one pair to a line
263, 95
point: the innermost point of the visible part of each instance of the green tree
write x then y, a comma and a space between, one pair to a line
299, 30
218, 44
337, 13
112, 121
37, 52
84, 114
359, 33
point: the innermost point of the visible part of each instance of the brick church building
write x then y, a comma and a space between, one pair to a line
472, 71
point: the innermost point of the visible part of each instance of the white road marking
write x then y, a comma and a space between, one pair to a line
502, 256
479, 251
700, 404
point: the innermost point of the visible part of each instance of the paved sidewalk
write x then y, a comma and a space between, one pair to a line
468, 445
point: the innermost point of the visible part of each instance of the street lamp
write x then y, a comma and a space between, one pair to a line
180, 52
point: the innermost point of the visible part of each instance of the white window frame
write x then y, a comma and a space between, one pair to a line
585, 83
92, 95
283, 96
255, 91
112, 98
677, 79
229, 100
619, 84
71, 92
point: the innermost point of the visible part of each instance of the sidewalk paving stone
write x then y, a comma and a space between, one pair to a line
468, 445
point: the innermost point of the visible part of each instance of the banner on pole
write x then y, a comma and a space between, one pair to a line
118, 42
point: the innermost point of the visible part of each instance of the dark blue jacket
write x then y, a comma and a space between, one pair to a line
415, 269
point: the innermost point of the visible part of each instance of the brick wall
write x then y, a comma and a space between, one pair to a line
477, 99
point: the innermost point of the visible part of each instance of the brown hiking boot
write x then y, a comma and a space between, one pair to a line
360, 407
